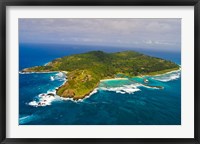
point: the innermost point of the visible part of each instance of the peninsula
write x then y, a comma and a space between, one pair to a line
85, 71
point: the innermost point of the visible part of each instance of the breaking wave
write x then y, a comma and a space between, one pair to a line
45, 99
59, 76
130, 89
81, 100
168, 76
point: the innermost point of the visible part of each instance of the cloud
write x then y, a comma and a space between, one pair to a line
151, 42
157, 33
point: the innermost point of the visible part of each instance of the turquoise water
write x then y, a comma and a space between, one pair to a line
114, 102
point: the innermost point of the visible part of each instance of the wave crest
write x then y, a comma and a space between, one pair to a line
168, 77
58, 76
130, 89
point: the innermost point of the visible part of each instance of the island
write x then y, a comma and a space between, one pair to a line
86, 70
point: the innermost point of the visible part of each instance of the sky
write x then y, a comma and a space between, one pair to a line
159, 34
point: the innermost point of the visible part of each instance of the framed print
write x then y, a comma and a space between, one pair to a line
99, 72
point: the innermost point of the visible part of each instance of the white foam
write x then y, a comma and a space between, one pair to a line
150, 87
168, 77
62, 98
174, 71
44, 99
51, 91
58, 76
130, 89
52, 78
33, 103
93, 92
118, 91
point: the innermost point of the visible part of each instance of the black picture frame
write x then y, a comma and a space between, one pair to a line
5, 3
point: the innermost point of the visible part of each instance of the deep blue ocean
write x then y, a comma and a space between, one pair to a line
114, 102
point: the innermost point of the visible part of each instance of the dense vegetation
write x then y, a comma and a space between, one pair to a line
86, 70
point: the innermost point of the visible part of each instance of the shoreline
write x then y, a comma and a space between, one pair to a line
166, 72
103, 80
141, 76
112, 79
20, 72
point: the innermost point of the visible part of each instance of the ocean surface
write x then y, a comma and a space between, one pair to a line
114, 102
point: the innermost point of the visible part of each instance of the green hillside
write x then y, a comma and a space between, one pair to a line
86, 70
